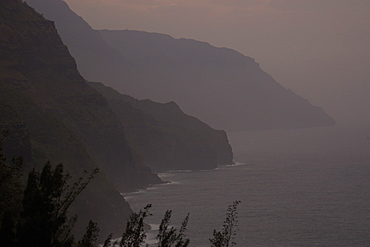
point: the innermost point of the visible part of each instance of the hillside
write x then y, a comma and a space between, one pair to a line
165, 137
221, 86
217, 85
54, 115
101, 62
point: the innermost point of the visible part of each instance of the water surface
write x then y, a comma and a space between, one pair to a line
309, 197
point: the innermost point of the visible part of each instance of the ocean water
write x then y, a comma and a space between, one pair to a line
309, 194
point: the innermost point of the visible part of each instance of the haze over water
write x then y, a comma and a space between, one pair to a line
319, 49
297, 187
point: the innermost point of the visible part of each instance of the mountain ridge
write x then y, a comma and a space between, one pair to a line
165, 136
42, 89
220, 86
54, 114
246, 97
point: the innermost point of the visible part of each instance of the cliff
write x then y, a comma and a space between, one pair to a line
217, 85
101, 62
52, 113
161, 146
165, 137
58, 117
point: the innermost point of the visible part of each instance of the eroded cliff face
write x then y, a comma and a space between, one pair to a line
38, 65
53, 114
217, 85
87, 45
67, 121
165, 137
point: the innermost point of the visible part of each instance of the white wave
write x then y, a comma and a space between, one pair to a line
164, 175
236, 164
167, 183
181, 171
140, 191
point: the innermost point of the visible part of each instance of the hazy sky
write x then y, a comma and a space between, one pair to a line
318, 48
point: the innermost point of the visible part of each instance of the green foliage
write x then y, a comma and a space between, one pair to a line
226, 236
169, 237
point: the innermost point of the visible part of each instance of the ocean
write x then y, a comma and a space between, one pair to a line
297, 188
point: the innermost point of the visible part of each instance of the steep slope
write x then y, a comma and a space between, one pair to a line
102, 63
67, 121
165, 137
38, 137
45, 71
220, 86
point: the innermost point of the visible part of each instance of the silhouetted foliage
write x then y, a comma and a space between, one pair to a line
39, 215
169, 237
135, 233
8, 171
108, 241
11, 195
9, 179
90, 239
7, 231
226, 236
44, 219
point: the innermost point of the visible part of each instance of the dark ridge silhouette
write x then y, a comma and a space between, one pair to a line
165, 137
52, 114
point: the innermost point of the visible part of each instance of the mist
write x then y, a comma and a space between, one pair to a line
319, 49
190, 106
347, 144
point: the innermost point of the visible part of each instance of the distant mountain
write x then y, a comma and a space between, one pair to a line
165, 137
218, 85
185, 144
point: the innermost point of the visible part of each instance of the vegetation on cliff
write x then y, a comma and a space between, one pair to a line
37, 213
53, 114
